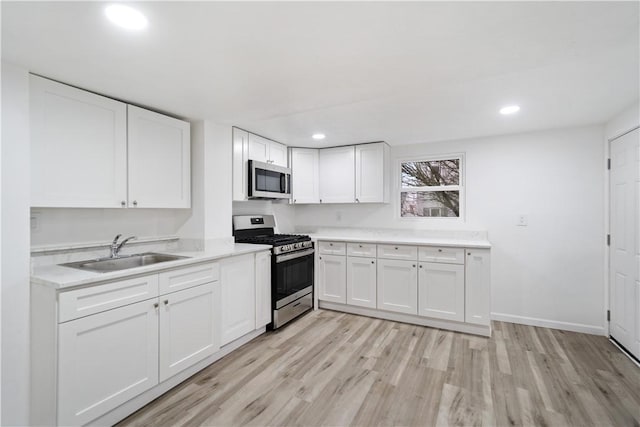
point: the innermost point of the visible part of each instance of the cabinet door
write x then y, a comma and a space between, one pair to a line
237, 280
159, 160
478, 287
258, 148
370, 173
337, 175
332, 275
398, 286
78, 147
105, 360
186, 329
278, 154
305, 178
240, 157
361, 282
263, 289
441, 291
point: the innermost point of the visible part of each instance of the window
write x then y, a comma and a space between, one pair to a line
431, 187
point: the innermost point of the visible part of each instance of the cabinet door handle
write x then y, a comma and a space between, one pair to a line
359, 246
135, 203
420, 265
123, 203
294, 200
439, 250
373, 262
414, 266
468, 253
320, 200
166, 302
357, 201
155, 305
396, 248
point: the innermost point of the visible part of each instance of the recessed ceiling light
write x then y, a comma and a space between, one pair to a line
126, 17
318, 136
511, 109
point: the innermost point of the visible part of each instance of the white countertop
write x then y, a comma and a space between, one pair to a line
405, 240
59, 277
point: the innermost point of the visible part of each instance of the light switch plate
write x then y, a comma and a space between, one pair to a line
522, 221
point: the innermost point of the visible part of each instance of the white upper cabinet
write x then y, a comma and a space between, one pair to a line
87, 151
240, 156
159, 160
78, 147
267, 151
304, 175
372, 183
337, 175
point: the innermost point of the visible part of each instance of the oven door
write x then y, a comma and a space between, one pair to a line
267, 181
292, 276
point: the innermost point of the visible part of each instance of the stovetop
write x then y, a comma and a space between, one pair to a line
274, 239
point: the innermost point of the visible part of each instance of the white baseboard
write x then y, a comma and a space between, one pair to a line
553, 324
466, 328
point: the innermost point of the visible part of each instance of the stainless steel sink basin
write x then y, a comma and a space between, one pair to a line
104, 265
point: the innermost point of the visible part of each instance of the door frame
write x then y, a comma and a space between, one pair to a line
607, 222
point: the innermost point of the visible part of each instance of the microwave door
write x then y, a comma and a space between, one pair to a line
268, 181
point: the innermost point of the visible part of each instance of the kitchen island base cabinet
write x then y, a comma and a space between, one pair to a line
187, 328
237, 280
105, 360
361, 282
441, 291
332, 274
398, 286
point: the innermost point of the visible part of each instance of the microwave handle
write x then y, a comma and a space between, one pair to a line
288, 184
283, 183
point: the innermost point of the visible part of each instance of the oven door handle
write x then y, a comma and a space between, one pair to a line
298, 254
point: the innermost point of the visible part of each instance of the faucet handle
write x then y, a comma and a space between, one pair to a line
115, 239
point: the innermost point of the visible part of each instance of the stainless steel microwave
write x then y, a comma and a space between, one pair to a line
268, 181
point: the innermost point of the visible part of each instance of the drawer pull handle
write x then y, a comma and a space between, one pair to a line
439, 250
296, 304
330, 244
469, 253
359, 246
396, 248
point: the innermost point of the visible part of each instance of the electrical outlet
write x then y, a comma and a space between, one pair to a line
522, 221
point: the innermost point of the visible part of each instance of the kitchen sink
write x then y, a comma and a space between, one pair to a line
104, 265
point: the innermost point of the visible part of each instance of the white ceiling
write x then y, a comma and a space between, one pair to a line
399, 72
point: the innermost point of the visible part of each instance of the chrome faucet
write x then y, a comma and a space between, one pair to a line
115, 246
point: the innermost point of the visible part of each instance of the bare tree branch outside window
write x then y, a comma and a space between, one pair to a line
431, 188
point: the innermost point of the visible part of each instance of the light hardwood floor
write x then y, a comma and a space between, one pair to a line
339, 369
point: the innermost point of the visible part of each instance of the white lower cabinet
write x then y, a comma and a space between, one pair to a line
441, 291
238, 293
187, 329
478, 287
263, 289
397, 286
361, 281
332, 275
105, 360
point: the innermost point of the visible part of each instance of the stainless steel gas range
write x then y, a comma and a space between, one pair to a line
291, 265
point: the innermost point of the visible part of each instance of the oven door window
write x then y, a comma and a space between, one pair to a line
293, 276
270, 181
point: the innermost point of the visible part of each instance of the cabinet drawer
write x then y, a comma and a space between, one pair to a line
175, 280
441, 254
361, 249
398, 252
95, 299
332, 248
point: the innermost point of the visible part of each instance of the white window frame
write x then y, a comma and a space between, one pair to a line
460, 187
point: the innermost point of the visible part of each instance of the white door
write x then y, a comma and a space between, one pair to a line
278, 154
78, 147
332, 274
370, 169
624, 251
304, 175
398, 286
441, 291
258, 148
361, 281
337, 175
478, 287
186, 329
105, 360
240, 157
159, 160
263, 289
238, 299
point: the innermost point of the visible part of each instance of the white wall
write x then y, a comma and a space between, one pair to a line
622, 122
15, 245
548, 273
